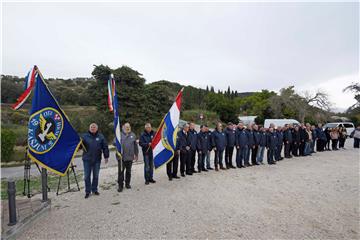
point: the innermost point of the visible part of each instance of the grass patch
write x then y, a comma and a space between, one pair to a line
35, 184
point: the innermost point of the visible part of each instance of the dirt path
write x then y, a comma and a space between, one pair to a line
312, 197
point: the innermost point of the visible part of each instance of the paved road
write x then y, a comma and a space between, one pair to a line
18, 172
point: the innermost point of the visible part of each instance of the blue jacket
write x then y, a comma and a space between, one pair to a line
271, 140
241, 138
262, 139
210, 147
250, 135
95, 145
280, 137
288, 136
203, 140
320, 133
144, 141
184, 140
257, 136
230, 137
219, 140
193, 139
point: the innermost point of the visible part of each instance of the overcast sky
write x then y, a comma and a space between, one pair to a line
249, 46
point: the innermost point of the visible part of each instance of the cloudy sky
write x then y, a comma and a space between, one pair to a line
248, 46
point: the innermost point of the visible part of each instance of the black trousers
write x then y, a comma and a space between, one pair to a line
295, 149
124, 168
342, 142
172, 166
253, 155
287, 150
192, 159
185, 161
320, 144
334, 143
301, 148
228, 156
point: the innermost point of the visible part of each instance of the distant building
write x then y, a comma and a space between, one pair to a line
247, 119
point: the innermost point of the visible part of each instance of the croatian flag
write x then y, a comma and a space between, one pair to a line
113, 106
164, 142
29, 85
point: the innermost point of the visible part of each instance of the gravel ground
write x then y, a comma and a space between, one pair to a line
311, 197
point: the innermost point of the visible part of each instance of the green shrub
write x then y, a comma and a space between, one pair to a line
8, 139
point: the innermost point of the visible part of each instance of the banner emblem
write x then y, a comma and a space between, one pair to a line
45, 128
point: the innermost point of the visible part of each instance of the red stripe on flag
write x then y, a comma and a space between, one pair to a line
157, 137
178, 99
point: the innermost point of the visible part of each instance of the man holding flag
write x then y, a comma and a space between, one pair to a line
164, 142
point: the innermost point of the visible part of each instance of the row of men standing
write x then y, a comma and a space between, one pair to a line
250, 143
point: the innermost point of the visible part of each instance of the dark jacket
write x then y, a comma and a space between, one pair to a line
262, 139
320, 133
129, 146
287, 136
230, 137
250, 135
257, 137
95, 145
184, 140
280, 137
241, 138
193, 139
219, 140
314, 135
203, 140
271, 140
296, 137
210, 147
304, 137
145, 139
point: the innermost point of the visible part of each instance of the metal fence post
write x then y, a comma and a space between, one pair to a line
12, 202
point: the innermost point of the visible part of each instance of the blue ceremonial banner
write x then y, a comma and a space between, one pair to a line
52, 141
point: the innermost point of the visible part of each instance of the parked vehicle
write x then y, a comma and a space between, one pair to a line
348, 125
280, 122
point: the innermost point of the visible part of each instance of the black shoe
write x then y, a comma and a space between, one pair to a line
183, 175
97, 193
147, 183
176, 177
128, 186
205, 170
170, 178
152, 181
257, 163
231, 166
210, 168
120, 189
189, 173
194, 171
87, 195
222, 168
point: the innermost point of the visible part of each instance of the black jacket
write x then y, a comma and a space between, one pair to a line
193, 139
287, 136
203, 140
184, 140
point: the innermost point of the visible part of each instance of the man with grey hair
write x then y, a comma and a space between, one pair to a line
94, 146
145, 143
130, 153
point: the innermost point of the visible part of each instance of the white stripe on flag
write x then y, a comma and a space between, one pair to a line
158, 148
174, 115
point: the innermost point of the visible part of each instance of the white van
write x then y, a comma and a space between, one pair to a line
348, 125
280, 122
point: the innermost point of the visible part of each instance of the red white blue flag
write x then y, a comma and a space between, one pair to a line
164, 142
29, 85
113, 106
